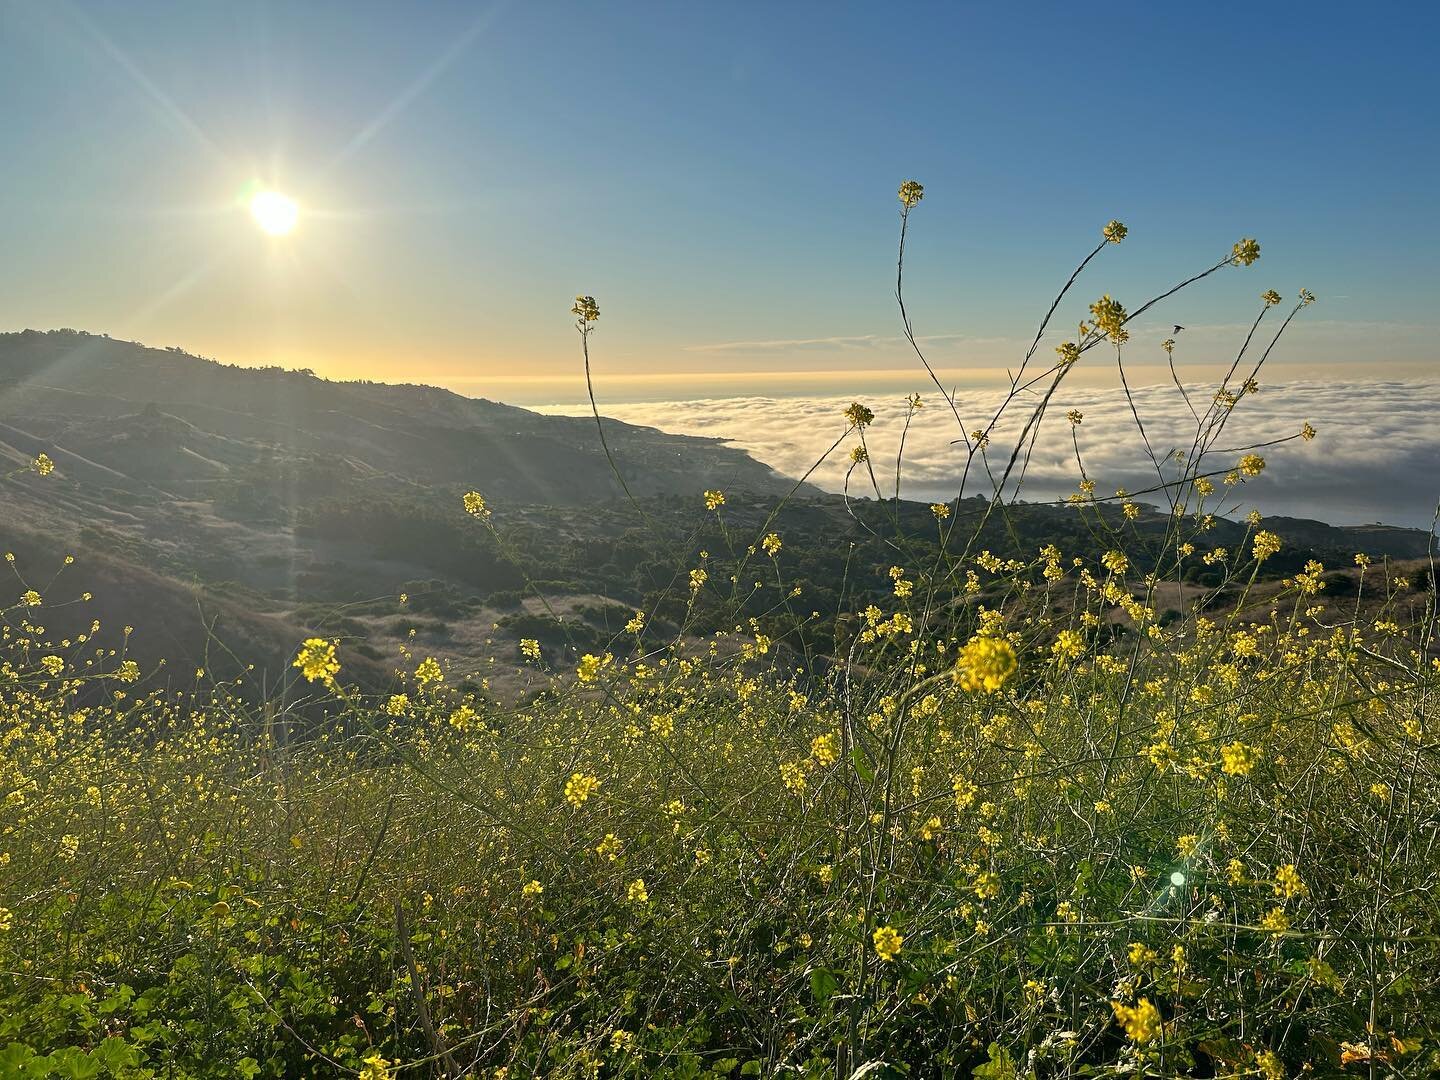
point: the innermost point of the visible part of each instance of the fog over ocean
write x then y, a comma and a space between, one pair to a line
1376, 457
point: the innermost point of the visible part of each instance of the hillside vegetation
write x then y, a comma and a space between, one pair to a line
1152, 794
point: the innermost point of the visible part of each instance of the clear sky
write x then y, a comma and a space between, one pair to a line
720, 176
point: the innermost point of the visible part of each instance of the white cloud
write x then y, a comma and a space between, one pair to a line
1377, 457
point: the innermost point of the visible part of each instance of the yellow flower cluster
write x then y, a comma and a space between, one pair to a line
859, 415
985, 663
1266, 544
586, 309
911, 192
317, 661
1110, 318
475, 505
1141, 1021
1245, 252
579, 788
887, 943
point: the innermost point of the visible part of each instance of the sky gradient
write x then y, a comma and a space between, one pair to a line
721, 177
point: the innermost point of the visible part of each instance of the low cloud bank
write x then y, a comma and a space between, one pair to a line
1376, 458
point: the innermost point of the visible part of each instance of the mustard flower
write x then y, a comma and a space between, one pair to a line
887, 943
586, 309
1271, 297
825, 749
43, 465
1266, 544
475, 505
1114, 232
1110, 318
940, 510
859, 415
636, 892
1275, 921
429, 673
1237, 759
911, 192
590, 666
1288, 883
1252, 465
985, 663
772, 544
530, 648
1069, 352
1245, 252
1069, 645
1141, 1021
610, 848
579, 788
792, 775
714, 500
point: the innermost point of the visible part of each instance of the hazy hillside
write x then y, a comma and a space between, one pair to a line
139, 418
230, 512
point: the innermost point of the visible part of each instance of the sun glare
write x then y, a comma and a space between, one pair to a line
273, 212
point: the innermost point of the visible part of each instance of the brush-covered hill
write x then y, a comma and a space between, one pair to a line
145, 419
227, 513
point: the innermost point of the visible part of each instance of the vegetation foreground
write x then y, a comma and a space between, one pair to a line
1016, 825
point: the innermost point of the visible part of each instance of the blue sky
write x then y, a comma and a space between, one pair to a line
720, 177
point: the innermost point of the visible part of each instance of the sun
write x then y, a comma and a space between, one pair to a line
273, 212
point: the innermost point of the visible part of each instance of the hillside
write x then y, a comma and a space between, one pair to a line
228, 513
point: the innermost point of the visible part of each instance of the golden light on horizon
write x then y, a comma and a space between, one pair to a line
275, 213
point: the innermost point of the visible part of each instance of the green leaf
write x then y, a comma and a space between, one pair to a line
750, 1068
1001, 1065
862, 766
115, 1054
823, 984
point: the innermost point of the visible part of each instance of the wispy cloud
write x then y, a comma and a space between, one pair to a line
845, 342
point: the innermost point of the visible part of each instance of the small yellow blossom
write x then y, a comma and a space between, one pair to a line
1141, 1021
475, 505
887, 943
859, 415
579, 788
985, 663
